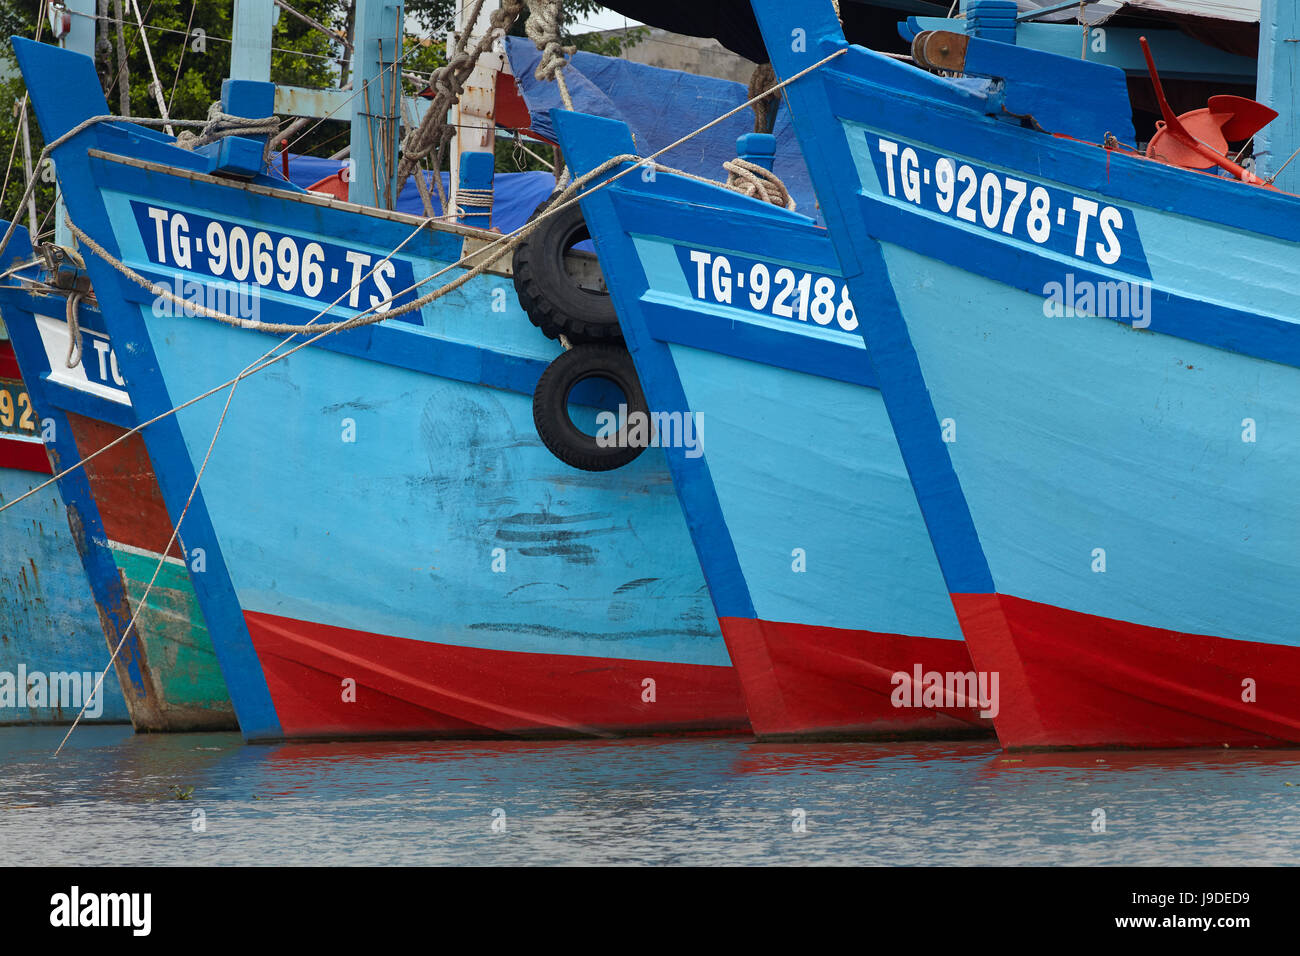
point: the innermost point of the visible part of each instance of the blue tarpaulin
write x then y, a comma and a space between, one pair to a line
516, 195
660, 106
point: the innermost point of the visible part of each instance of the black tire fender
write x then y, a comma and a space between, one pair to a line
553, 299
556, 429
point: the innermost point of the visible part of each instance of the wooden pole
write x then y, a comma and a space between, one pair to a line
1278, 86
27, 168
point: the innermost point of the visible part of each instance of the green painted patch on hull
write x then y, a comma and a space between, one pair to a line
181, 666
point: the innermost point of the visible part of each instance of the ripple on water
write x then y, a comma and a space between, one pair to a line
111, 797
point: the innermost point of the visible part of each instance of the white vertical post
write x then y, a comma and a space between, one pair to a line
474, 116
27, 168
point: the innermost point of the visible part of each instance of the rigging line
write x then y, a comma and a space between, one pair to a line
320, 56
207, 36
122, 47
482, 254
176, 529
355, 94
148, 55
337, 36
162, 559
13, 150
40, 230
212, 391
634, 164
181, 61
235, 384
40, 27
551, 210
1284, 166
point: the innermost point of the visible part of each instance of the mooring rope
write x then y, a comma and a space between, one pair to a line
79, 128
507, 242
545, 27
74, 331
156, 85
636, 161
323, 330
434, 133
144, 597
760, 183
219, 125
751, 180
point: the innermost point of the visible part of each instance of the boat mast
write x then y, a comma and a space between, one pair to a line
473, 157
377, 81
1278, 85
250, 47
80, 38
372, 104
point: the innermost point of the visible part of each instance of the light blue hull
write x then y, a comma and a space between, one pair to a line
1090, 360
48, 622
386, 546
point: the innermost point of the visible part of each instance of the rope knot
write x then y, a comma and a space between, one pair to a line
221, 124
753, 180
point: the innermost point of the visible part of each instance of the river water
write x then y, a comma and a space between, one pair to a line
114, 797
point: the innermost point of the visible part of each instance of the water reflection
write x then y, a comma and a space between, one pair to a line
111, 797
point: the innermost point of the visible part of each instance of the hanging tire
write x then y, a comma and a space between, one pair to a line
565, 440
558, 301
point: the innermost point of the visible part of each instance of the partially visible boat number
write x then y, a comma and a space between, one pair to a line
772, 290
292, 264
16, 415
1014, 207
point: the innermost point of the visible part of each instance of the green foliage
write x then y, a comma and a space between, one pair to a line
190, 44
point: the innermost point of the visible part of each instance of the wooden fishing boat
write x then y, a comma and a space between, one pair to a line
118, 520
1106, 480
823, 577
47, 619
389, 549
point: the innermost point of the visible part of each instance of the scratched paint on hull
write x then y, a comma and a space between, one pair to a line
180, 663
48, 622
184, 687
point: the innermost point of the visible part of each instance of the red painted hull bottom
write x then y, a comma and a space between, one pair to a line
24, 456
409, 688
1076, 680
801, 680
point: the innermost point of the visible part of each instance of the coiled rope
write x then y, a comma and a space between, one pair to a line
73, 358
753, 180
219, 125
544, 27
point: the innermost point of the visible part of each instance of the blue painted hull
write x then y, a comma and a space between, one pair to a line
388, 548
1116, 356
48, 623
820, 566
51, 649
118, 523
